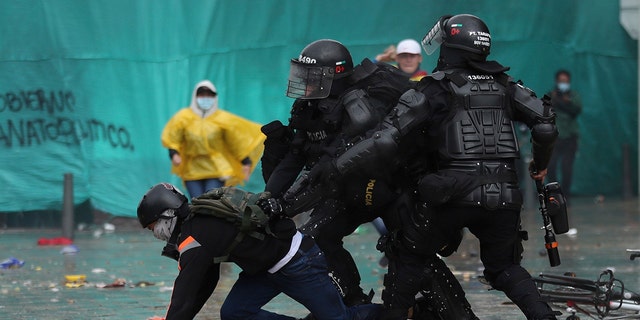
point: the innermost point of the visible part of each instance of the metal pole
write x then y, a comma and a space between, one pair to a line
67, 206
627, 191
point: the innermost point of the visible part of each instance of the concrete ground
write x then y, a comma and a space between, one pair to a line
36, 291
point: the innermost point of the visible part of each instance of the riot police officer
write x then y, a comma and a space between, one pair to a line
335, 101
460, 118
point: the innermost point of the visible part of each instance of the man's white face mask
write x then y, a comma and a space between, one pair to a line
205, 103
165, 225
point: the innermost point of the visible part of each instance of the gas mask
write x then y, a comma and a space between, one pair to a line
165, 225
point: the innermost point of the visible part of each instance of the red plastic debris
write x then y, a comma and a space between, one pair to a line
58, 241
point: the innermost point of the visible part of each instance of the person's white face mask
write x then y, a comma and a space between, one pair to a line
205, 103
564, 86
164, 227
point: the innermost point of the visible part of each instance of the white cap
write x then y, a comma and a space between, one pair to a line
408, 46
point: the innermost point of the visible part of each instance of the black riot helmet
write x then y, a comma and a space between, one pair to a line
158, 199
463, 32
320, 63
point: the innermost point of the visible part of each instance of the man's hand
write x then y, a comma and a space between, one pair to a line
176, 159
271, 207
388, 55
246, 171
535, 173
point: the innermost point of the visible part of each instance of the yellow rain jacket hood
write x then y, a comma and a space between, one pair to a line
212, 143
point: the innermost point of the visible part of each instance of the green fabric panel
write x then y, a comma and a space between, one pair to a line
89, 85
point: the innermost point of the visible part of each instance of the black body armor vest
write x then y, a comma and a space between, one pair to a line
481, 126
479, 140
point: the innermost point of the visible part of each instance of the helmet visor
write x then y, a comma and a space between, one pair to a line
308, 81
435, 37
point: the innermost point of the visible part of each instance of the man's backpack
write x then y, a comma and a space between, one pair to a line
235, 206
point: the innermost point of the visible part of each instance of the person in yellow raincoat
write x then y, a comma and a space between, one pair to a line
210, 148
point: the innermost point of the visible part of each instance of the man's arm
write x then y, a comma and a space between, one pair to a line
285, 173
410, 112
575, 105
380, 146
537, 115
196, 281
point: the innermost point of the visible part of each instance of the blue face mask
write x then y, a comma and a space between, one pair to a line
205, 103
564, 86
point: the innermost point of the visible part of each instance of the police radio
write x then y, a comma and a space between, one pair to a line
553, 208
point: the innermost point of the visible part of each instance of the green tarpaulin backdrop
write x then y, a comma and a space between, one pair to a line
87, 86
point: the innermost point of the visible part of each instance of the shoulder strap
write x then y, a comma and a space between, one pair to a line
236, 241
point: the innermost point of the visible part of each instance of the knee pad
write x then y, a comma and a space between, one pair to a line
508, 278
517, 284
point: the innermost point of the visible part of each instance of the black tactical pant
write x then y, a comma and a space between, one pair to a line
330, 222
500, 251
411, 247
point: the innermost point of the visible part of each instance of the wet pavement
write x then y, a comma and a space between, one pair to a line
37, 290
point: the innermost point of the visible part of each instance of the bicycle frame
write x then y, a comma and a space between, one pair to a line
605, 294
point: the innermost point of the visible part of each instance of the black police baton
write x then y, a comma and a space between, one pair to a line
549, 237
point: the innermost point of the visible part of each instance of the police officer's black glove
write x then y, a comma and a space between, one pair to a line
281, 227
535, 173
271, 206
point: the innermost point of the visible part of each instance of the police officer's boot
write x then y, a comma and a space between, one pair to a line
517, 284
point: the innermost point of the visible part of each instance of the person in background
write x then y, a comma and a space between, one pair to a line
567, 107
209, 147
407, 56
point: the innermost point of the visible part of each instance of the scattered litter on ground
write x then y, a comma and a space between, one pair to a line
57, 241
165, 289
118, 283
75, 280
11, 263
70, 249
108, 227
143, 284
598, 199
